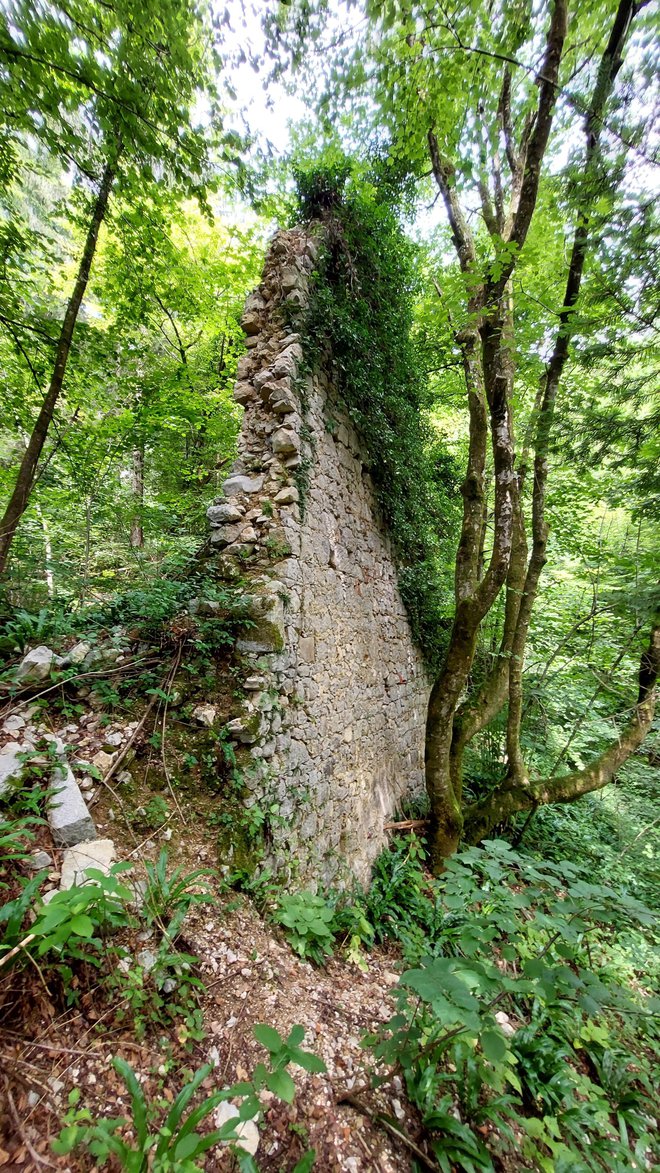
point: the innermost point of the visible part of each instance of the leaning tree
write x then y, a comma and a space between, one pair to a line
489, 102
107, 94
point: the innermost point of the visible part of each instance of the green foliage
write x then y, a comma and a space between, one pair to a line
401, 902
519, 1011
176, 1145
149, 418
152, 815
282, 1053
14, 913
96, 927
168, 897
612, 836
151, 607
307, 922
23, 629
361, 313
15, 837
81, 917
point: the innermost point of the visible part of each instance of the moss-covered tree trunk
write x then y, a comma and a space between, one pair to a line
522, 794
487, 345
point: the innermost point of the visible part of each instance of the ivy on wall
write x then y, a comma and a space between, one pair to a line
361, 315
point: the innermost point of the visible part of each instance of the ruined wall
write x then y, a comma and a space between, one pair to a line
332, 728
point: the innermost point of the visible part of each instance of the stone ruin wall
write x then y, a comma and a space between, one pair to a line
330, 737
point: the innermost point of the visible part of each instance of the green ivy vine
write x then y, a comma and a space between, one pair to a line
361, 315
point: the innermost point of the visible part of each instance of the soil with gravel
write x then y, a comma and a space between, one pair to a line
248, 975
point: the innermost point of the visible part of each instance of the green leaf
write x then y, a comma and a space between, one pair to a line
305, 1163
188, 1146
308, 1061
493, 1045
82, 926
137, 1099
268, 1037
281, 1084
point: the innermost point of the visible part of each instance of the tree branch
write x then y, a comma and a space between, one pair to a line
482, 817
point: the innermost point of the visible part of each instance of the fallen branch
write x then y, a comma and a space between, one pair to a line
393, 1129
38, 1160
406, 825
121, 756
169, 680
83, 676
17, 949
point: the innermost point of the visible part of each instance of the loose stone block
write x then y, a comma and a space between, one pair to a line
10, 766
221, 514
287, 496
285, 442
237, 485
68, 816
98, 853
205, 715
37, 665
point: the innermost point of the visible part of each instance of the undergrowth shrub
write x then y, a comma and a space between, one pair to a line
150, 611
176, 1145
307, 921
92, 935
521, 1028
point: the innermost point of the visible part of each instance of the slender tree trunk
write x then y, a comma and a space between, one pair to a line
450, 727
137, 487
88, 547
28, 467
48, 554
610, 64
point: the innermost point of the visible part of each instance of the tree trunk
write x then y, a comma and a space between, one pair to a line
27, 471
137, 487
589, 191
449, 728
48, 554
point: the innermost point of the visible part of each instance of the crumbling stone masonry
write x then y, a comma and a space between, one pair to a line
332, 730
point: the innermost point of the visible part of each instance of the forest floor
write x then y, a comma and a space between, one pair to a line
248, 975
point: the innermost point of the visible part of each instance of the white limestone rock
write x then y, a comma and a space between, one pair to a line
247, 1133
285, 442
10, 765
98, 853
103, 760
223, 513
14, 724
287, 496
68, 815
37, 665
235, 486
78, 653
205, 714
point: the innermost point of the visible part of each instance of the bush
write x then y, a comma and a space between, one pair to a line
307, 921
518, 1011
